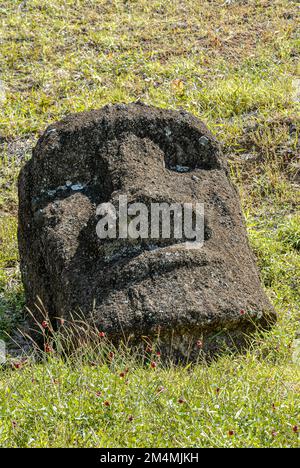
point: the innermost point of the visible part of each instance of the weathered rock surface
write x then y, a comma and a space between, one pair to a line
136, 288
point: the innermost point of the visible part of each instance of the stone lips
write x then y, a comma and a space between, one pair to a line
136, 288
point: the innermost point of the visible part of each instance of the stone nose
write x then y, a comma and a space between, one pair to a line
138, 166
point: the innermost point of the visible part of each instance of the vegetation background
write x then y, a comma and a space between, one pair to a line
234, 64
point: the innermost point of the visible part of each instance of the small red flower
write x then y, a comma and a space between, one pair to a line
48, 348
122, 375
17, 365
153, 364
130, 418
242, 312
158, 353
101, 334
295, 429
181, 400
106, 403
45, 324
230, 433
199, 344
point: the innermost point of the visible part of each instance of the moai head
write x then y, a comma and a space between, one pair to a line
137, 278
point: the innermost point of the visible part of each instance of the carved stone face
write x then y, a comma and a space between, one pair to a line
134, 287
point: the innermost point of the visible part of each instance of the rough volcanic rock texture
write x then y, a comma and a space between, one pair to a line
137, 287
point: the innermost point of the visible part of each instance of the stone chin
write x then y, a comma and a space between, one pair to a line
137, 288
178, 295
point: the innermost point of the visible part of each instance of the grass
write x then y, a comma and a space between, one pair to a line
235, 65
58, 403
